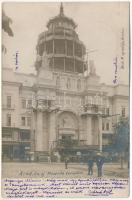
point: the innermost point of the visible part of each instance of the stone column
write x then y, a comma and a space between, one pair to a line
100, 132
89, 130
52, 129
53, 47
39, 132
42, 131
45, 131
95, 130
33, 130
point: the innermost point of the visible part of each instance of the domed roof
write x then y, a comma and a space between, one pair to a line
61, 17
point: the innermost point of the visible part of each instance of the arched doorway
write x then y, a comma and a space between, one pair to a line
68, 131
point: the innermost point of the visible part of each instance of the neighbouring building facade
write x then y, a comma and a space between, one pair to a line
59, 109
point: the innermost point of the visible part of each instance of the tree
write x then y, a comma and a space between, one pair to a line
6, 24
121, 141
6, 21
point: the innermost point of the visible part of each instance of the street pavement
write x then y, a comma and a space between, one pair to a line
57, 170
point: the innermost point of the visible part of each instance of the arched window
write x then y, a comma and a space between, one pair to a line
79, 84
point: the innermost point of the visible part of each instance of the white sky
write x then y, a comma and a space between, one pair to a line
99, 27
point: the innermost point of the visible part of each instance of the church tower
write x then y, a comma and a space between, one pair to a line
59, 48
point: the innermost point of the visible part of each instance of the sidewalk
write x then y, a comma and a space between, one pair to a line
110, 170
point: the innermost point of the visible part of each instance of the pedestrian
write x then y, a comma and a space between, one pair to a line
66, 163
99, 163
90, 165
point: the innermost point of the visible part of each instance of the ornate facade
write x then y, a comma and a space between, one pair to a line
59, 109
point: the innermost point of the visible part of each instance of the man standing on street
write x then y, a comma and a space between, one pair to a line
99, 163
66, 162
90, 165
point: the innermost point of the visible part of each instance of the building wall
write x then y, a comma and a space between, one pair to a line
69, 98
13, 91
